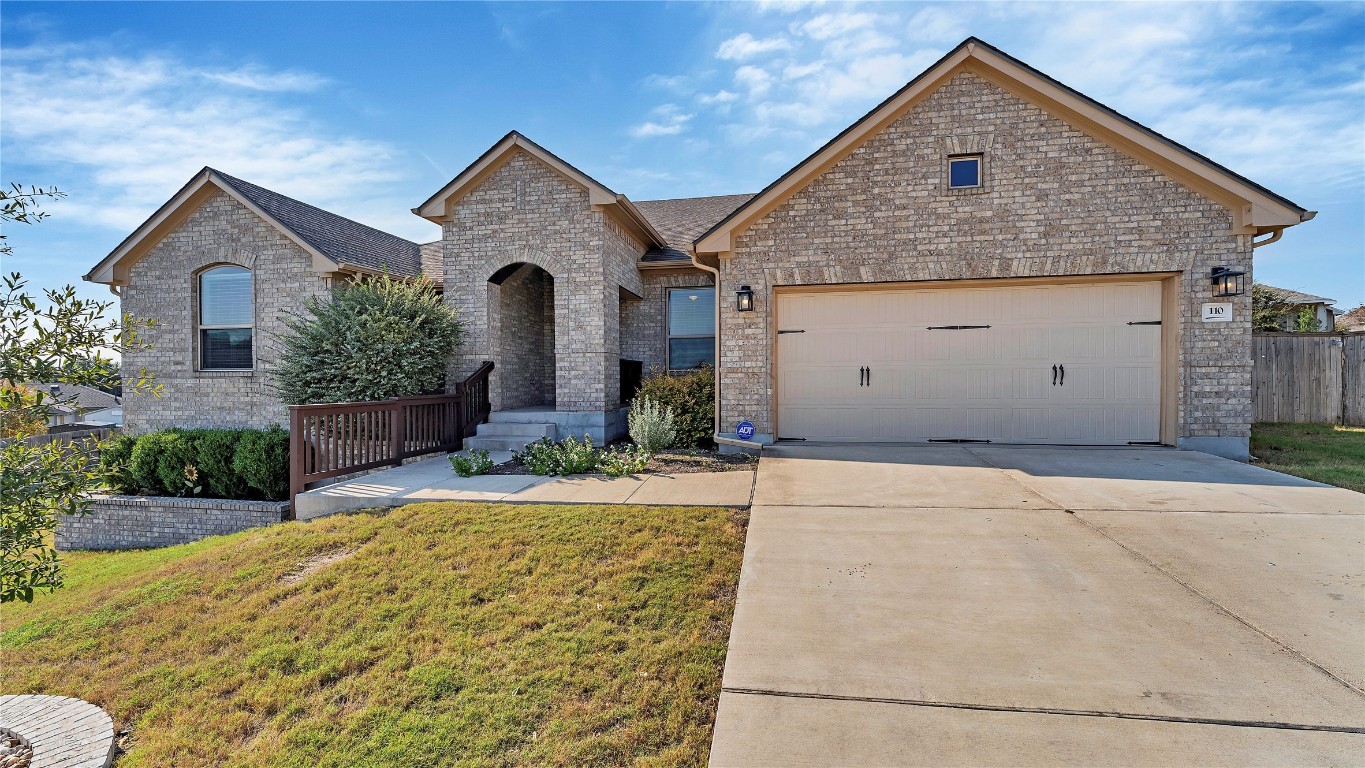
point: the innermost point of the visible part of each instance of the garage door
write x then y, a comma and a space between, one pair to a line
1068, 364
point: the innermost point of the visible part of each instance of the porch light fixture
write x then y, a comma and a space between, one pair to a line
1228, 281
744, 299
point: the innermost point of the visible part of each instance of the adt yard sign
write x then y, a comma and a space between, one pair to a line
745, 430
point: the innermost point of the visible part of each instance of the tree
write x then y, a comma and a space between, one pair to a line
372, 339
56, 337
1268, 310
1307, 320
24, 421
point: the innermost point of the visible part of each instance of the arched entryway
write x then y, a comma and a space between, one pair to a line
523, 332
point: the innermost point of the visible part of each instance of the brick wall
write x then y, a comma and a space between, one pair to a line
1056, 202
164, 285
525, 334
527, 212
644, 324
135, 522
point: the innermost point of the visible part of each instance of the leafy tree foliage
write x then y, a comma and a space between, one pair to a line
1307, 320
372, 339
25, 420
52, 337
1268, 310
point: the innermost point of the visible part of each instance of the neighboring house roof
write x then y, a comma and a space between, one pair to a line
682, 220
336, 243
1296, 297
1256, 210
1353, 321
74, 398
433, 262
438, 207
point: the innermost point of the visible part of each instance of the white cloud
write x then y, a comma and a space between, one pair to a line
666, 120
132, 129
936, 25
831, 25
753, 80
745, 46
719, 97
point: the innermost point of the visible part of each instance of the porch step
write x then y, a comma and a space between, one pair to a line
525, 416
508, 436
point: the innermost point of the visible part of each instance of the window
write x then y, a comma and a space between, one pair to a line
691, 328
964, 171
225, 310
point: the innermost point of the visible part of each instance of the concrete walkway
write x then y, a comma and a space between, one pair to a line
949, 605
434, 480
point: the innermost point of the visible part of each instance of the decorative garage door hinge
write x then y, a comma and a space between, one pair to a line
957, 440
801, 331
955, 327
1144, 322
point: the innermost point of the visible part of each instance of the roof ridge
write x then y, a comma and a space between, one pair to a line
235, 181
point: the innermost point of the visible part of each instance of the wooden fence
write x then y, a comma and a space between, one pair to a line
335, 439
1309, 377
66, 436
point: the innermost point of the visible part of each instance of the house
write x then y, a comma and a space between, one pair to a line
78, 404
1295, 301
986, 255
1352, 322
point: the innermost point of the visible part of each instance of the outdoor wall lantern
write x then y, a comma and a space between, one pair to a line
744, 299
1228, 281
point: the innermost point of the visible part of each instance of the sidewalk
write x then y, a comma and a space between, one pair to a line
433, 480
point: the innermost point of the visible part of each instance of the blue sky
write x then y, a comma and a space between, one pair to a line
366, 109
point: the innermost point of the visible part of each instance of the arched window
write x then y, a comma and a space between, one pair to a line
225, 319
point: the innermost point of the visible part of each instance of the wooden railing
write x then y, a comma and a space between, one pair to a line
334, 439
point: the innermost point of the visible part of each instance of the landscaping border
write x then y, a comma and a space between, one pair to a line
137, 522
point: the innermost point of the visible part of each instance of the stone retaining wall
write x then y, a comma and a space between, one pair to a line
135, 522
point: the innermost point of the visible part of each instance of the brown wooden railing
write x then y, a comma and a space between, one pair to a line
334, 439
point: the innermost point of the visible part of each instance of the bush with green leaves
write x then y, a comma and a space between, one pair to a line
570, 457
541, 457
691, 396
145, 459
651, 425
371, 339
470, 463
177, 464
623, 460
215, 450
262, 461
115, 454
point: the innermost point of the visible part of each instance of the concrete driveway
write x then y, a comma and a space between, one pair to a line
978, 605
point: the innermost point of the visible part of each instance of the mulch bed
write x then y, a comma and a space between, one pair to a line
671, 462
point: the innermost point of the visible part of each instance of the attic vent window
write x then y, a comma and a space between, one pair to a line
964, 172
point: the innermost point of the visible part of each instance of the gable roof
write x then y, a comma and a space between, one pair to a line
1256, 209
336, 243
71, 398
1296, 297
682, 220
438, 207
1353, 321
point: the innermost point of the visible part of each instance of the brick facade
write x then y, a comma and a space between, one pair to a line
163, 285
644, 324
1056, 202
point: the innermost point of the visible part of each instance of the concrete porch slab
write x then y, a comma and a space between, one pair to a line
758, 731
999, 608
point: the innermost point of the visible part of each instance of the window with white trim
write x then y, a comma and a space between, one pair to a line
964, 171
225, 319
691, 328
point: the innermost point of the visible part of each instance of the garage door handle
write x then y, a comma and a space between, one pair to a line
869, 375
1054, 374
862, 374
1062, 368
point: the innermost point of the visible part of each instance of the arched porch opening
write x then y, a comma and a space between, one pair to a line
523, 331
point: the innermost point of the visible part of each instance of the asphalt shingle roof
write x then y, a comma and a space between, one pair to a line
76, 397
336, 237
682, 220
1296, 297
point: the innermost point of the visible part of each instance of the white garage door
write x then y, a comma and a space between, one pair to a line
1069, 364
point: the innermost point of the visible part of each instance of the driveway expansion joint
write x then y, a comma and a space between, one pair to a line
1271, 724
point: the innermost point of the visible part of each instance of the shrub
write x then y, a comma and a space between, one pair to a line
115, 454
546, 457
176, 463
371, 339
577, 457
262, 461
470, 463
623, 460
691, 397
651, 425
215, 450
143, 460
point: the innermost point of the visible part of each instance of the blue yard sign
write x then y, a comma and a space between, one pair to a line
745, 430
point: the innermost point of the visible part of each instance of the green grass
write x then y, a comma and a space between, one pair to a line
1328, 454
452, 634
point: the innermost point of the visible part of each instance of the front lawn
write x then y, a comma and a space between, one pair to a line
434, 635
1328, 454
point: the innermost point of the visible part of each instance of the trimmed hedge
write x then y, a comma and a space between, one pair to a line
220, 463
692, 398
